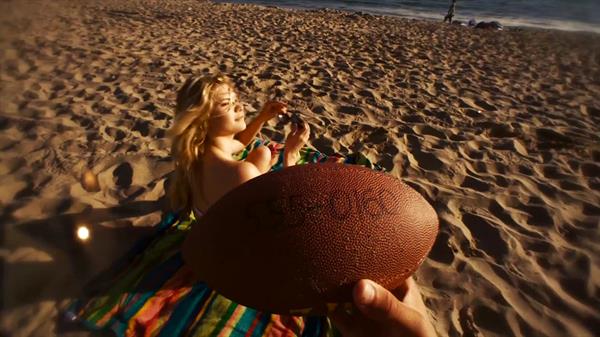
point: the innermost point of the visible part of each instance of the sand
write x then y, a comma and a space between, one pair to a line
498, 130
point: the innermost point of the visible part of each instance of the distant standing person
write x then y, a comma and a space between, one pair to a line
450, 14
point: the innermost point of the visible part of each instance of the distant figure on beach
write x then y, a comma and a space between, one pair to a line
493, 25
450, 14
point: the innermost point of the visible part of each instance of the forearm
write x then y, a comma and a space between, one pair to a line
290, 158
251, 130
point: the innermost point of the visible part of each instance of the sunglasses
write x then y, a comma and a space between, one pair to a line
293, 118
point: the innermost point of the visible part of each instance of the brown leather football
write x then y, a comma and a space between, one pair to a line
296, 241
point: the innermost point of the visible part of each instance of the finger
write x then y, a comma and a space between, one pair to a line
402, 291
379, 304
277, 104
305, 131
413, 297
301, 124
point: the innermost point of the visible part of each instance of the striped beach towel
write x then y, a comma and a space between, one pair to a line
309, 155
150, 292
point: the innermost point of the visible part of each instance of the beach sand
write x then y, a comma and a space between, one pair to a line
498, 130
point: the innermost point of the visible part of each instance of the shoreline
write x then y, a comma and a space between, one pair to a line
508, 23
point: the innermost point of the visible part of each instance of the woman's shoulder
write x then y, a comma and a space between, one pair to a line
238, 146
247, 170
231, 170
227, 170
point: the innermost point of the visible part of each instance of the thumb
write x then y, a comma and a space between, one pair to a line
379, 304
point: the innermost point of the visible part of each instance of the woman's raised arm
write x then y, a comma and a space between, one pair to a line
271, 110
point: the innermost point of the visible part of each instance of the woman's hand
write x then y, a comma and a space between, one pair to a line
294, 142
379, 312
272, 109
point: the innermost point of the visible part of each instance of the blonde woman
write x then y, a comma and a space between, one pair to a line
153, 293
209, 129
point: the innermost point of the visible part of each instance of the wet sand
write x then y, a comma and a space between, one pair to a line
498, 130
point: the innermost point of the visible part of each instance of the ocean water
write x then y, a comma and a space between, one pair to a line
577, 15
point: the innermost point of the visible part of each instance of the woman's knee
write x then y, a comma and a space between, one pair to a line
263, 152
261, 157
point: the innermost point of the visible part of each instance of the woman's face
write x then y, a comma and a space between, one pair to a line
228, 114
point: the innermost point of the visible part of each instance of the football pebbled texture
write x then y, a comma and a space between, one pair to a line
295, 241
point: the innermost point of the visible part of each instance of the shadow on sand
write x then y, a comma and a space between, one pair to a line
74, 267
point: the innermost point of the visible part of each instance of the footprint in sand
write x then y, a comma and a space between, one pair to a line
10, 165
427, 161
441, 251
475, 184
387, 151
377, 136
350, 110
424, 160
590, 170
324, 144
123, 175
102, 108
569, 185
551, 139
424, 129
590, 210
142, 126
537, 215
412, 118
491, 320
115, 133
476, 104
486, 236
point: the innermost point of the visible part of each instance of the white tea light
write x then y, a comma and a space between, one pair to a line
83, 233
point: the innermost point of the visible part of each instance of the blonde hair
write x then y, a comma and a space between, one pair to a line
195, 102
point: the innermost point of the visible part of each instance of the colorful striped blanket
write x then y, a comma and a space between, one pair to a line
150, 292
